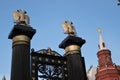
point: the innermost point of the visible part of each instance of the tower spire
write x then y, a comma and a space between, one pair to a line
106, 69
101, 41
3, 78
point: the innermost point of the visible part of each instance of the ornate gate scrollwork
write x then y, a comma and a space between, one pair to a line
49, 72
48, 65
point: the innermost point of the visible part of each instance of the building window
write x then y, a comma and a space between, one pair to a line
103, 44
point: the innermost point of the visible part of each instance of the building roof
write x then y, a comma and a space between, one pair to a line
91, 73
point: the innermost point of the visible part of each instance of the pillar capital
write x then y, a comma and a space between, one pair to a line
22, 30
72, 44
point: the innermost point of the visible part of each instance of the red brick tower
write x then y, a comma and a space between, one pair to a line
106, 70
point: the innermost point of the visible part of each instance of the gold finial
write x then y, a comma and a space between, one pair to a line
99, 30
49, 49
21, 17
69, 28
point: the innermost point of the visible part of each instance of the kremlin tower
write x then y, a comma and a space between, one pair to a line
106, 69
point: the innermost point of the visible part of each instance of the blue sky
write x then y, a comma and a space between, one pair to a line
47, 16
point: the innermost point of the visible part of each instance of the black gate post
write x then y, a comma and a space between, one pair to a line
75, 61
21, 36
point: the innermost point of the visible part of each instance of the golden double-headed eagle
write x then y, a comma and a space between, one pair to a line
21, 17
69, 28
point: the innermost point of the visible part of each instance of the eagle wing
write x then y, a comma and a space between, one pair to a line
16, 16
27, 19
74, 30
65, 28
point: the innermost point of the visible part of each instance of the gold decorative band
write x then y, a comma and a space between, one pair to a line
72, 48
21, 39
72, 52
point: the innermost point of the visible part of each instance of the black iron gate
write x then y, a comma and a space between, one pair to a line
48, 65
